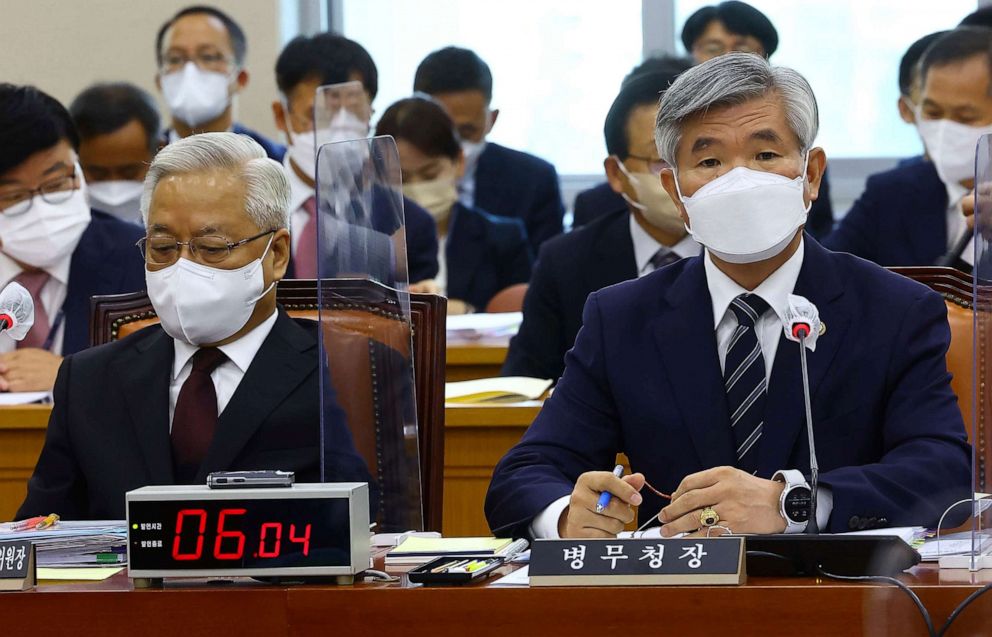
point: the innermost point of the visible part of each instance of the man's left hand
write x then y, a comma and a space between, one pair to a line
745, 504
29, 369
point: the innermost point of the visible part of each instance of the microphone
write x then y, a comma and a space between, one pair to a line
16, 311
802, 325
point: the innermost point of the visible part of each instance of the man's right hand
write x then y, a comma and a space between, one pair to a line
580, 519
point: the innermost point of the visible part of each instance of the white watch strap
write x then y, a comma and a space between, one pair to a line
792, 478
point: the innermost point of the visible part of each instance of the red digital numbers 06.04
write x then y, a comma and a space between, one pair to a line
229, 544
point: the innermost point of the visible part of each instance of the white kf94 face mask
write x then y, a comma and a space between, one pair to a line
199, 304
196, 96
746, 216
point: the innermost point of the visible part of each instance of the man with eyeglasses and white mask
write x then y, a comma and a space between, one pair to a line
51, 242
200, 53
687, 370
227, 381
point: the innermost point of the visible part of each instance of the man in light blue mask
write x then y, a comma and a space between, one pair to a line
227, 380
688, 372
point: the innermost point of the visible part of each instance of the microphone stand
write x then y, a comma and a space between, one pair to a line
814, 470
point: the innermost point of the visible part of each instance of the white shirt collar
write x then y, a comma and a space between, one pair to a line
60, 271
645, 246
299, 191
240, 352
774, 290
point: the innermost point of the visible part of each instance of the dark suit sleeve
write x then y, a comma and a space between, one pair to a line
547, 213
576, 431
57, 485
537, 350
926, 460
858, 232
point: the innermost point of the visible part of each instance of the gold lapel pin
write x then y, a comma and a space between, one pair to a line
823, 328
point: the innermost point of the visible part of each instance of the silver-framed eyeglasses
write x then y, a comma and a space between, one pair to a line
54, 191
173, 61
212, 249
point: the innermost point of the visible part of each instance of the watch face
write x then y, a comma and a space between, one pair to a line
797, 504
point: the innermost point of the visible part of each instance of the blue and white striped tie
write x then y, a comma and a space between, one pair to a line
745, 381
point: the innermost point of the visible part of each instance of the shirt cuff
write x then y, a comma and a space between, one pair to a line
545, 524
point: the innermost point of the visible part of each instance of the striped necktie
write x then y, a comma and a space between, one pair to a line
745, 381
663, 257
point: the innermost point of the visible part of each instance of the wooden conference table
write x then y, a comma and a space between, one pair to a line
468, 360
764, 606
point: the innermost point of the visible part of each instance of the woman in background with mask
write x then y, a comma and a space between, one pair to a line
480, 254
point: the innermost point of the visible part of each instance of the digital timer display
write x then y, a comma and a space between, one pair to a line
238, 534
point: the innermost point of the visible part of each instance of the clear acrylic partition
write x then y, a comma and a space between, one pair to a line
982, 275
341, 112
364, 310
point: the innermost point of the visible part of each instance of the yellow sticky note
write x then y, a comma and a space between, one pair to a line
95, 574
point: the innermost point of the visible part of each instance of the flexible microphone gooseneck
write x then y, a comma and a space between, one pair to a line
953, 255
802, 324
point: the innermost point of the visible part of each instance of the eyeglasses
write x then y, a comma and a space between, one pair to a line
160, 250
56, 191
207, 61
655, 166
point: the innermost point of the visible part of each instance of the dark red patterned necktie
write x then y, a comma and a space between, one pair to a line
195, 418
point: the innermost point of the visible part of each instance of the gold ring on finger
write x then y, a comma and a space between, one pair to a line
708, 517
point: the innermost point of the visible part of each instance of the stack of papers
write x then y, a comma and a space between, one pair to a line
77, 543
505, 389
25, 397
420, 550
475, 327
953, 544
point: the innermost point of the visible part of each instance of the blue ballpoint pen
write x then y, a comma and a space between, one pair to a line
605, 496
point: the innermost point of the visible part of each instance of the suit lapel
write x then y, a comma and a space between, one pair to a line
145, 376
927, 232
785, 411
287, 356
88, 275
684, 333
465, 249
615, 250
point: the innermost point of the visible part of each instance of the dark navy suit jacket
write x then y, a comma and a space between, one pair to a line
900, 218
569, 268
273, 149
644, 378
485, 254
601, 199
511, 183
104, 262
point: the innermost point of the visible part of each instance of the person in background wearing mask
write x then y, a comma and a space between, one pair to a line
687, 371
118, 128
196, 393
200, 53
306, 64
481, 254
62, 252
646, 235
601, 199
502, 181
911, 215
909, 80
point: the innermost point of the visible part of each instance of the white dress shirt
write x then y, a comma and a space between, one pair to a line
645, 247
227, 376
52, 296
775, 291
466, 185
299, 192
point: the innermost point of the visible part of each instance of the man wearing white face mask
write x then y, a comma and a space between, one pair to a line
201, 68
911, 215
118, 136
227, 381
345, 73
50, 240
687, 370
647, 234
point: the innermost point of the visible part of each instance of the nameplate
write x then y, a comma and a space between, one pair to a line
17, 566
633, 562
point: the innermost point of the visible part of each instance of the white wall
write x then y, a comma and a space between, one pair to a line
63, 46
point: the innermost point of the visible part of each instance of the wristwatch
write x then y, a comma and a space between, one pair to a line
795, 500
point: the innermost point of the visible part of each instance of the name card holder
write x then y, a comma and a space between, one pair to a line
638, 562
17, 566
